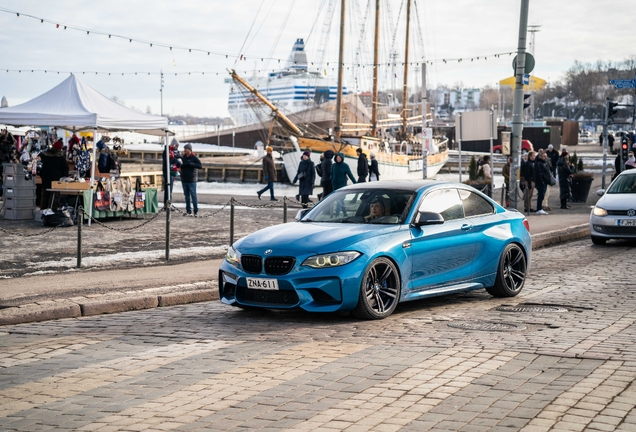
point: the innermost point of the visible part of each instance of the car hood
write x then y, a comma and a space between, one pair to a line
310, 237
617, 201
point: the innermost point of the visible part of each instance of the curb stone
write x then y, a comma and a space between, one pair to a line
183, 294
77, 307
560, 236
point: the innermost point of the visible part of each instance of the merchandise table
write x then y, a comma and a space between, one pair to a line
151, 204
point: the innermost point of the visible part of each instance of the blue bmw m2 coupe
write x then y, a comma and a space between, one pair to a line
367, 247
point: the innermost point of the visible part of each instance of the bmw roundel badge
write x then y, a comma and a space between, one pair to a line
268, 251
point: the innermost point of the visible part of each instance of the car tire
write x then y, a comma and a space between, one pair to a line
524, 151
497, 152
598, 240
379, 290
511, 273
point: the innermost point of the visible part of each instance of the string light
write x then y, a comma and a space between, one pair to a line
227, 56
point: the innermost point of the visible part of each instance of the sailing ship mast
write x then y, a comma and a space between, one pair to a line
376, 67
338, 128
405, 94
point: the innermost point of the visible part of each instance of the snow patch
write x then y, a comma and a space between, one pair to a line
141, 257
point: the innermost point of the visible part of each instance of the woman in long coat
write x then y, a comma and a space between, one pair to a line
306, 174
564, 171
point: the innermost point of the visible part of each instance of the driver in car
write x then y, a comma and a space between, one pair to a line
377, 209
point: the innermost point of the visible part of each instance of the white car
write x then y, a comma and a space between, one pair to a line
614, 216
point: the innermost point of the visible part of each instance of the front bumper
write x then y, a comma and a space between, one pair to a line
608, 227
314, 290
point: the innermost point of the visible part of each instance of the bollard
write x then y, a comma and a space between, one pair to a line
80, 222
285, 209
168, 212
231, 221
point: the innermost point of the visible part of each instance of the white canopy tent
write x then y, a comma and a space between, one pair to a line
73, 105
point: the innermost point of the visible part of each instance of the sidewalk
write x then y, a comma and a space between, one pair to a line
72, 293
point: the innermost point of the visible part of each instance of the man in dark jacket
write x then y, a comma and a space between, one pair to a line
325, 180
527, 174
363, 166
269, 173
541, 180
54, 167
190, 164
553, 156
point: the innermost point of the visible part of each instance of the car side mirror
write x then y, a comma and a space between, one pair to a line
428, 218
300, 214
600, 192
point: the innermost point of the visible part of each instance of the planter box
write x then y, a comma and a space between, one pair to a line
581, 188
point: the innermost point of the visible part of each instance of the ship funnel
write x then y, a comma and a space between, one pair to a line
298, 57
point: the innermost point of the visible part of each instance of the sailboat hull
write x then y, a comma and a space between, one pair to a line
392, 166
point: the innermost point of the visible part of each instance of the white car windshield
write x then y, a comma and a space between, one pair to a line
373, 206
623, 184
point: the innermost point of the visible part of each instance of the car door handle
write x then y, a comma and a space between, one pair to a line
466, 227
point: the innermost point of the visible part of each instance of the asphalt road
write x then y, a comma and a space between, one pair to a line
564, 360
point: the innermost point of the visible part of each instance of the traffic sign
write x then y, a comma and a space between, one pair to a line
620, 84
526, 79
529, 63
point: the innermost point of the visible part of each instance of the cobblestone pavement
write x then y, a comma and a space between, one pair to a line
569, 363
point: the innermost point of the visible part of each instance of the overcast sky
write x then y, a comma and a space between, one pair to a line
584, 30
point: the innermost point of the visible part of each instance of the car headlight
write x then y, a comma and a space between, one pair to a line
232, 256
331, 260
599, 211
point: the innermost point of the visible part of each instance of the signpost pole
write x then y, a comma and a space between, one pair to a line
605, 142
517, 107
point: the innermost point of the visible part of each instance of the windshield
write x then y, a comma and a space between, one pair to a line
374, 206
623, 184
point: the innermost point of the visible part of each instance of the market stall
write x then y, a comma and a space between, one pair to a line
73, 105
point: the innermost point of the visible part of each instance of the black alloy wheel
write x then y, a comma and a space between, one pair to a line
511, 273
379, 290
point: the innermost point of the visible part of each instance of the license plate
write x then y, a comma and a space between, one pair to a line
262, 284
627, 222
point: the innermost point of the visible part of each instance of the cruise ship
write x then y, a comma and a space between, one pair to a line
292, 89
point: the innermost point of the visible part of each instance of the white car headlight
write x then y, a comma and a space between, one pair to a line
331, 260
232, 256
599, 211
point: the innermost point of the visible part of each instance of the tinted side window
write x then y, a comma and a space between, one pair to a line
474, 205
445, 202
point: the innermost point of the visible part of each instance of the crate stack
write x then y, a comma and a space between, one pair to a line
18, 193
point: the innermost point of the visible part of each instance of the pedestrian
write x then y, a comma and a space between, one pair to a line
565, 170
190, 166
631, 161
485, 166
363, 166
54, 167
175, 166
553, 157
551, 161
374, 172
617, 166
610, 142
527, 174
339, 173
505, 172
269, 174
325, 179
541, 180
306, 176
